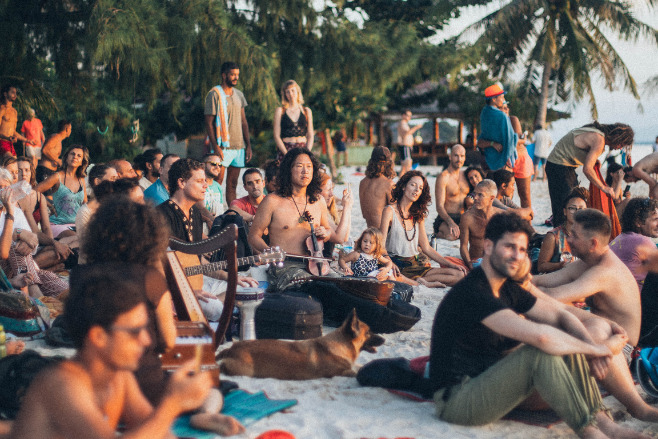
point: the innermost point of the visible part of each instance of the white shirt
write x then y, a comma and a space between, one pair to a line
543, 143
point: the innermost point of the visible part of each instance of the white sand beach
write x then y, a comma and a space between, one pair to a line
339, 408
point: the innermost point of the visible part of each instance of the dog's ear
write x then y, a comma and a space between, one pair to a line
353, 324
372, 342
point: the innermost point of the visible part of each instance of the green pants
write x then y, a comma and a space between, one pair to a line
563, 382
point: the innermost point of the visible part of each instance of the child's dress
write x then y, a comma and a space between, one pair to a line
365, 266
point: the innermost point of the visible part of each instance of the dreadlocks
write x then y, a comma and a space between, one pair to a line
617, 135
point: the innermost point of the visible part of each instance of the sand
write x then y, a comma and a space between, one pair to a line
338, 408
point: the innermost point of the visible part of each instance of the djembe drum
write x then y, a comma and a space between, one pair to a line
247, 300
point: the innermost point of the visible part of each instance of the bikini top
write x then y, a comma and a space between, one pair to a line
294, 129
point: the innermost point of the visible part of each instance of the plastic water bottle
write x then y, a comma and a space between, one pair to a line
3, 340
348, 246
21, 189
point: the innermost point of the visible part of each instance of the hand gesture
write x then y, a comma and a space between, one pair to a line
204, 296
347, 200
322, 233
382, 274
62, 250
348, 271
245, 281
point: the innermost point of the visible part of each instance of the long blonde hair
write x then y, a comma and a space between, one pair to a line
300, 98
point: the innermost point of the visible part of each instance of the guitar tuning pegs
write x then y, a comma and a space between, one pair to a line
266, 266
279, 264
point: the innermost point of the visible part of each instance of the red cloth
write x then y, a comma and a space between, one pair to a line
457, 261
601, 201
417, 365
244, 204
7, 146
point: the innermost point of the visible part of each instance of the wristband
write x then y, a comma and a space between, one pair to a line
9, 216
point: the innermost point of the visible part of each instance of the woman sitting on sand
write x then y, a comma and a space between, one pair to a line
293, 123
403, 229
70, 192
555, 252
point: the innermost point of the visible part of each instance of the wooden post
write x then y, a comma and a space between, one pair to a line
330, 152
355, 132
436, 131
460, 137
474, 131
371, 132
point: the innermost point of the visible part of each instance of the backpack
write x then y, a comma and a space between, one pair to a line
646, 368
16, 374
219, 224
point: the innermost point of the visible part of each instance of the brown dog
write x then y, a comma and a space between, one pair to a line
323, 357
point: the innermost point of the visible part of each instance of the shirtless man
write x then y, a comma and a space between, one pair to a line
375, 189
286, 214
52, 149
108, 321
474, 221
450, 190
8, 122
612, 293
645, 170
406, 141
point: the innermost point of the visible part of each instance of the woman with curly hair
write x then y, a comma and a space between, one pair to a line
403, 229
582, 147
70, 190
293, 123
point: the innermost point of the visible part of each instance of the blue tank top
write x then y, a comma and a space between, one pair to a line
67, 204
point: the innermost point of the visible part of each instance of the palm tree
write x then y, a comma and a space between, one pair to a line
561, 43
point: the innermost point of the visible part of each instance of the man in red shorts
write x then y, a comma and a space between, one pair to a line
8, 122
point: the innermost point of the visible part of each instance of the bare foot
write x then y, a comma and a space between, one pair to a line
433, 284
15, 347
220, 424
611, 429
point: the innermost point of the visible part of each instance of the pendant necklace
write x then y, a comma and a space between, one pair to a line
302, 216
404, 227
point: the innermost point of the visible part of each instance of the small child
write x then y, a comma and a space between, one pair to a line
367, 256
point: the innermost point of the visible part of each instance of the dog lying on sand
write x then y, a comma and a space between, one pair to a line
331, 355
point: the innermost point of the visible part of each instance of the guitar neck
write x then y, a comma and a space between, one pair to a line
221, 265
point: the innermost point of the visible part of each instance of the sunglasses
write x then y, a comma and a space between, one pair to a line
214, 164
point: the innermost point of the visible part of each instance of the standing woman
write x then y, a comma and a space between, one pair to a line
70, 191
293, 123
403, 230
581, 147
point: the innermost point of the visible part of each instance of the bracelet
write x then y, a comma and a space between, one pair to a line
9, 216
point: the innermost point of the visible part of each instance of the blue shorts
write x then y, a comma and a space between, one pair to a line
539, 161
233, 157
405, 153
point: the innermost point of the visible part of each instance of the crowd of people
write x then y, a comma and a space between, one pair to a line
512, 331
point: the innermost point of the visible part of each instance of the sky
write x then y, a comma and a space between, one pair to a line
641, 58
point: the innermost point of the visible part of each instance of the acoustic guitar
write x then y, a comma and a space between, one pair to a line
195, 271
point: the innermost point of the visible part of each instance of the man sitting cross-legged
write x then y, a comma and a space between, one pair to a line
288, 212
496, 340
611, 292
89, 395
474, 221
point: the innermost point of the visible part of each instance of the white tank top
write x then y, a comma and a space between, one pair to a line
396, 240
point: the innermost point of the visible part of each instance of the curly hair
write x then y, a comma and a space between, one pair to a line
378, 168
617, 135
506, 222
182, 169
636, 213
284, 177
577, 192
81, 172
377, 237
122, 230
468, 170
418, 210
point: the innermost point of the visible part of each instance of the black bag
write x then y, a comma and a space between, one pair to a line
16, 375
244, 249
290, 317
402, 291
337, 304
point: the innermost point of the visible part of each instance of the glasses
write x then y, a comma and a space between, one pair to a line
574, 208
134, 332
214, 164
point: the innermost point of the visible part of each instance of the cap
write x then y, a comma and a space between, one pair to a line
380, 154
493, 90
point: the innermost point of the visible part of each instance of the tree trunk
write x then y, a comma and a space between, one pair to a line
540, 119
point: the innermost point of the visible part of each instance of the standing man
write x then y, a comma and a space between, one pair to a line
227, 128
32, 129
247, 206
496, 340
8, 122
543, 143
52, 149
151, 162
375, 189
497, 139
406, 141
158, 192
450, 190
